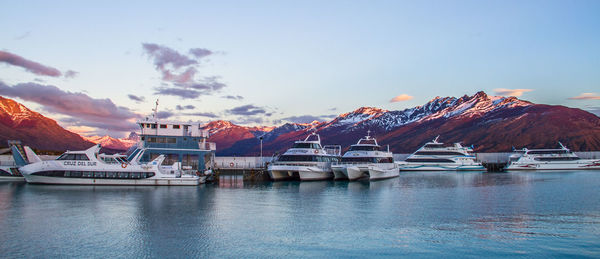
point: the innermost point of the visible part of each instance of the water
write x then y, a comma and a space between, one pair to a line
428, 214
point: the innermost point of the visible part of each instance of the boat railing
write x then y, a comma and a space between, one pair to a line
207, 145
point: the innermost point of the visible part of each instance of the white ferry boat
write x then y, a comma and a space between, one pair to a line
365, 160
10, 173
305, 160
435, 156
9, 170
549, 159
88, 167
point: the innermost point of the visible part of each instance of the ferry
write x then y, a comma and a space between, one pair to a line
435, 156
549, 159
306, 160
365, 160
88, 167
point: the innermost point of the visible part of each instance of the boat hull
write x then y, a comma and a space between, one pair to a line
580, 165
315, 175
356, 173
12, 179
340, 173
377, 173
37, 179
440, 167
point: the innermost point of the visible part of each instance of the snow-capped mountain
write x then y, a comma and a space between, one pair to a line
17, 122
491, 123
118, 144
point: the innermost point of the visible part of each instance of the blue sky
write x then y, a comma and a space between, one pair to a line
281, 60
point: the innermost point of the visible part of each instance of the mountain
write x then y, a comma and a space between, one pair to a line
116, 144
17, 122
490, 123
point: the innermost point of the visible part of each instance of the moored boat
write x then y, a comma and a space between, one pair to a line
435, 156
365, 160
88, 167
550, 159
306, 160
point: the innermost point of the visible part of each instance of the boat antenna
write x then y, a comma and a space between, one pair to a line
368, 134
562, 146
155, 110
436, 139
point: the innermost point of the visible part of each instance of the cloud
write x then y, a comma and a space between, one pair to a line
594, 110
71, 74
234, 97
200, 52
183, 93
248, 110
400, 98
308, 118
202, 114
249, 120
165, 114
184, 78
163, 56
28, 65
136, 98
586, 96
23, 36
186, 107
511, 92
180, 71
84, 110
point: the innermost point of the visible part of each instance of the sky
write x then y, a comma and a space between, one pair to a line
98, 67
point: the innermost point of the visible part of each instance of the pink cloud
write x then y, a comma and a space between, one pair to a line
401, 98
511, 92
31, 66
586, 96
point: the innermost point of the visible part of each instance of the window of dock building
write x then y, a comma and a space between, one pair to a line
190, 160
163, 126
176, 126
147, 125
154, 126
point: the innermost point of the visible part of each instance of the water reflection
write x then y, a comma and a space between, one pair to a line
417, 214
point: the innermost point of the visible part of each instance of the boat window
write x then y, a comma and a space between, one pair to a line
67, 157
432, 160
439, 153
163, 126
359, 159
83, 157
547, 152
147, 125
436, 145
364, 148
289, 158
556, 158
171, 140
302, 145
153, 126
385, 160
176, 126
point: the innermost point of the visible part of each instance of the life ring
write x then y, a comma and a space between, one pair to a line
316, 151
231, 164
124, 165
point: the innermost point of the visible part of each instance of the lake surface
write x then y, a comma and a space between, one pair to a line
429, 214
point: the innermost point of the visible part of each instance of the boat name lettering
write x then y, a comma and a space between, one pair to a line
79, 163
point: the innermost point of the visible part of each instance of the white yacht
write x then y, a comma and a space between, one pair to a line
87, 167
305, 160
365, 160
435, 156
549, 159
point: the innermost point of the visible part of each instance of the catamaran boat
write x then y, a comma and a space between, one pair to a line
305, 160
549, 159
88, 167
365, 160
435, 156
